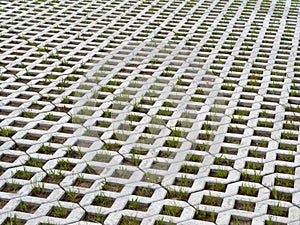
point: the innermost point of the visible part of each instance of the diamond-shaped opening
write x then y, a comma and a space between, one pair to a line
232, 140
205, 215
167, 154
285, 157
103, 157
240, 220
94, 217
14, 220
152, 130
23, 174
254, 165
134, 118
72, 196
194, 158
32, 136
60, 212
184, 123
3, 202
93, 133
40, 191
72, 152
146, 139
27, 207
272, 222
172, 143
211, 200
126, 220
178, 133
208, 136
257, 154
102, 200
122, 173
284, 169
171, 210
163, 221
248, 190
280, 195
200, 146
54, 177
64, 164
61, 109
51, 117
46, 149
57, 139
160, 165
214, 186
83, 143
5, 112
244, 205
143, 191
152, 178
218, 173
82, 182
139, 151
177, 194
113, 187
127, 126
289, 183
112, 146
8, 158
18, 124
134, 204
90, 170
35, 162
256, 177
191, 169
41, 126
119, 136
11, 187
102, 123
278, 210
132, 161
183, 181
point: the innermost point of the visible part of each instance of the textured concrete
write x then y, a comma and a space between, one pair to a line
150, 112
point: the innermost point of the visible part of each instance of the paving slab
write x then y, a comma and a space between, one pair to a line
123, 112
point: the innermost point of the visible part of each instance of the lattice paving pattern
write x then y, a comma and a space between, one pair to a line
123, 112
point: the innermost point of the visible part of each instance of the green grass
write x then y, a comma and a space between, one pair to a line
171, 210
6, 132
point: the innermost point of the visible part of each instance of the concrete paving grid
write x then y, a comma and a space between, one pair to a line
127, 112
